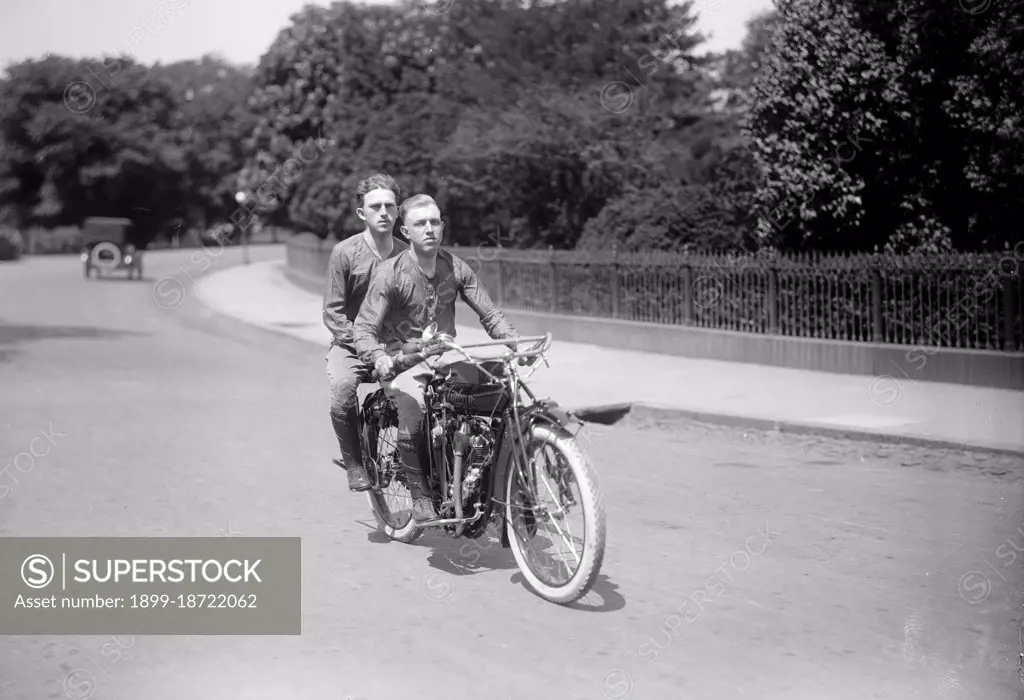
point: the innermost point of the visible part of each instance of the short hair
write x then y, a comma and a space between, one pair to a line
417, 200
377, 181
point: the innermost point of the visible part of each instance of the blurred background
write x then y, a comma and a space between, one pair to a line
846, 126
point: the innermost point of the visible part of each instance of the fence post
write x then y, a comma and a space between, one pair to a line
688, 295
876, 303
1010, 313
773, 300
616, 291
499, 254
554, 281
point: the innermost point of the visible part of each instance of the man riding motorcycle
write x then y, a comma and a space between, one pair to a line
412, 290
352, 264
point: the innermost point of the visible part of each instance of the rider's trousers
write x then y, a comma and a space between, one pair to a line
345, 372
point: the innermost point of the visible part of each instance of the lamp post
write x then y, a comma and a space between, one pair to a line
240, 197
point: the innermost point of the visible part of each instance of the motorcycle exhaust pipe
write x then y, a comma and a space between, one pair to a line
460, 441
461, 523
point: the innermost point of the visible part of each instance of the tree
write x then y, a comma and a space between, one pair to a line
926, 95
212, 122
829, 113
80, 137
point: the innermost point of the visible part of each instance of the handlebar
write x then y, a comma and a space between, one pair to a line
416, 351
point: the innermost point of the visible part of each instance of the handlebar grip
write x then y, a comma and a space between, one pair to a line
402, 363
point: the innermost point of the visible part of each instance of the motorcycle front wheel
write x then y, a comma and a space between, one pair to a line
544, 516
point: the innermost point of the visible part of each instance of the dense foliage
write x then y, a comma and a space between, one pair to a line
891, 123
849, 125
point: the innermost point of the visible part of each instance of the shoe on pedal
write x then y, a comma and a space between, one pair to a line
357, 477
423, 511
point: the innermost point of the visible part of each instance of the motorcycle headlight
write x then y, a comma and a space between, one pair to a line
84, 257
127, 260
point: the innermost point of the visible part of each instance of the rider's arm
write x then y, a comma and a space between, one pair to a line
334, 316
473, 293
370, 321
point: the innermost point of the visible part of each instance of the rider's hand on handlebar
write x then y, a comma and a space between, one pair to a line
384, 365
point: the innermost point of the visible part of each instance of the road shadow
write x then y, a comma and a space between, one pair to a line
604, 597
117, 278
12, 335
464, 556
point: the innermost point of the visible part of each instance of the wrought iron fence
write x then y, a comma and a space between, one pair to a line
955, 300
949, 300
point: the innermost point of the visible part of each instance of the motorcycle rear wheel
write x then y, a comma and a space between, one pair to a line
385, 466
523, 518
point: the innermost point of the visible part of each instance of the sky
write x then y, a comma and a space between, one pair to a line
238, 30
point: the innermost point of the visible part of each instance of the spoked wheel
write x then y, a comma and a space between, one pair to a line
555, 517
389, 494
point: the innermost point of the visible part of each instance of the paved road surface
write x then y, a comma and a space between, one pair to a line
171, 422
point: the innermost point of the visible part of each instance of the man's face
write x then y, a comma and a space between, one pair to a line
424, 228
379, 210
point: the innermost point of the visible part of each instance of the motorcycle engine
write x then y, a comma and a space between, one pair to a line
479, 454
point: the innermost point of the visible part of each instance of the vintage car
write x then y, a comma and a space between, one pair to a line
107, 247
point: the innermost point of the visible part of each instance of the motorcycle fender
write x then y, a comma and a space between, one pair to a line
551, 412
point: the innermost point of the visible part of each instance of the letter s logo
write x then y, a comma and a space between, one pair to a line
41, 569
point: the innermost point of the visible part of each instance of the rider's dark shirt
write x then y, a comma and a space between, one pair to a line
402, 301
352, 264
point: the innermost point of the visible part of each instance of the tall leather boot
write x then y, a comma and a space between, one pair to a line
358, 480
422, 507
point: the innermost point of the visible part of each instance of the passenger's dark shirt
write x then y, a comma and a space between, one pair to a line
353, 262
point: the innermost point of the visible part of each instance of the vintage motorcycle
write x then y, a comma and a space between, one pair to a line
495, 453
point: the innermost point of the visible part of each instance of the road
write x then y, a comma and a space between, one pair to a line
739, 566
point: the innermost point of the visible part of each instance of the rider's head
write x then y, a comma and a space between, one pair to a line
377, 202
421, 223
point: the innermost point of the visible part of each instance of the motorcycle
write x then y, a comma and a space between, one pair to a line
485, 443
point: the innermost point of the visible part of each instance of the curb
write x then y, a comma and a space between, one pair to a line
632, 413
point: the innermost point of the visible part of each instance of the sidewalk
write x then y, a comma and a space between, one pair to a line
745, 394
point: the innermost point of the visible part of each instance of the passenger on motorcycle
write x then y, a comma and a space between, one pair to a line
412, 290
352, 264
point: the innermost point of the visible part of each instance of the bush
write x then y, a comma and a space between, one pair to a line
11, 244
667, 217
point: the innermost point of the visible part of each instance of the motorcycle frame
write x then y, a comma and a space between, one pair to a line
519, 419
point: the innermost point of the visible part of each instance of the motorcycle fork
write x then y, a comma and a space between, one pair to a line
520, 458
